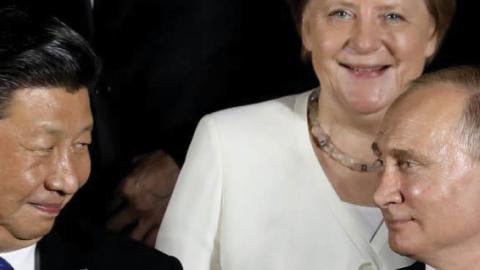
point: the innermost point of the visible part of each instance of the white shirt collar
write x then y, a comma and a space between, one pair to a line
21, 259
428, 267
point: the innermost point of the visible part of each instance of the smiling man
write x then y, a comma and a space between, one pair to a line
430, 186
44, 137
45, 124
46, 73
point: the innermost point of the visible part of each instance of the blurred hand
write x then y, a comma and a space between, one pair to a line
143, 196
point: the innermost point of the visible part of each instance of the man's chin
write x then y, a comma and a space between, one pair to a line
32, 233
404, 248
17, 239
403, 252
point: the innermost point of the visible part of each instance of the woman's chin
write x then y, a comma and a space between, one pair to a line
371, 110
367, 107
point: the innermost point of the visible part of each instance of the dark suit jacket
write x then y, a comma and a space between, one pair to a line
80, 247
416, 266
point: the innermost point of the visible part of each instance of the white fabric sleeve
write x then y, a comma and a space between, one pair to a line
191, 224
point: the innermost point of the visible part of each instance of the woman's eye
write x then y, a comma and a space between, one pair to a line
340, 13
394, 17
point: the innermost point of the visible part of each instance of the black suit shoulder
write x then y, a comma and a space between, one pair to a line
77, 248
415, 266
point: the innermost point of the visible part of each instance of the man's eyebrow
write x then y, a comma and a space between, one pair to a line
401, 153
55, 131
407, 153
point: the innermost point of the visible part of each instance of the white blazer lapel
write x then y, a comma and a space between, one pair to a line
372, 250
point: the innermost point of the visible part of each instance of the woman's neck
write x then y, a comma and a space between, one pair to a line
352, 132
352, 135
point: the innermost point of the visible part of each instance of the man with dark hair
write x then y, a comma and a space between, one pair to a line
429, 188
46, 73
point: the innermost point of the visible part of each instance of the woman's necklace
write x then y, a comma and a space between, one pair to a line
324, 143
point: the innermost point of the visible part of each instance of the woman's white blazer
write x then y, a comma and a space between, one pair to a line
252, 196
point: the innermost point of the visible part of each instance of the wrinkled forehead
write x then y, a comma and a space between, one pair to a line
52, 111
430, 111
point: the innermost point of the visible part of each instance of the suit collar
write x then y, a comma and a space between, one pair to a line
56, 253
415, 266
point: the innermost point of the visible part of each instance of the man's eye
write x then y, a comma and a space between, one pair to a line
376, 149
81, 146
405, 164
46, 149
42, 151
340, 14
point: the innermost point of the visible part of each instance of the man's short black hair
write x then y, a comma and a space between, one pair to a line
40, 51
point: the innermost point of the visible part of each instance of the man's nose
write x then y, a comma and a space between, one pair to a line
388, 191
366, 36
65, 178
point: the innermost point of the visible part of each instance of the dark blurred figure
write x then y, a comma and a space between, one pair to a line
168, 63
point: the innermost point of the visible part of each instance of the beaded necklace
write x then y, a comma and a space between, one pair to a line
324, 143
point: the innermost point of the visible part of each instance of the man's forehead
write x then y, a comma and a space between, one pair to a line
427, 104
435, 96
50, 111
426, 114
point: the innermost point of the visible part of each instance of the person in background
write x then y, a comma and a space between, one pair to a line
47, 72
289, 183
429, 186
